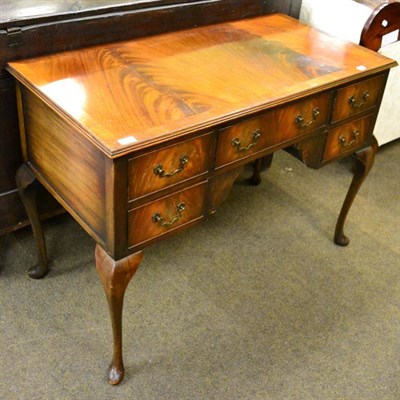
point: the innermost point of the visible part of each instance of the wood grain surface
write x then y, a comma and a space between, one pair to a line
143, 179
142, 227
275, 127
69, 166
348, 137
130, 95
372, 87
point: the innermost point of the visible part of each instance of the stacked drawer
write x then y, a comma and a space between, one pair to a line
154, 173
350, 126
352, 101
347, 138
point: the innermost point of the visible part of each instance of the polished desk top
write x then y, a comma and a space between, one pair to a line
129, 95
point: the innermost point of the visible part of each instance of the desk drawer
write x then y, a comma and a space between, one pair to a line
302, 117
357, 98
244, 139
348, 137
271, 129
166, 214
160, 169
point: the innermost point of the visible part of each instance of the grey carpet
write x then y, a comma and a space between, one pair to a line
255, 303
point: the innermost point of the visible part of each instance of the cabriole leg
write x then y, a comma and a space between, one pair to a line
364, 159
28, 186
115, 276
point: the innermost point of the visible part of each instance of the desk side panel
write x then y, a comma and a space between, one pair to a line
68, 165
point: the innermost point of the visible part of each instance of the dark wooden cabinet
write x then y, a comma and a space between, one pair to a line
49, 27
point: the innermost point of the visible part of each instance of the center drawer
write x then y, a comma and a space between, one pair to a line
272, 129
167, 214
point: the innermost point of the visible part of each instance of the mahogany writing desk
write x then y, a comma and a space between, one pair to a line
144, 138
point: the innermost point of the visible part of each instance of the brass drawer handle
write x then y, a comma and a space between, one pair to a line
159, 170
342, 139
353, 101
300, 120
158, 219
236, 142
